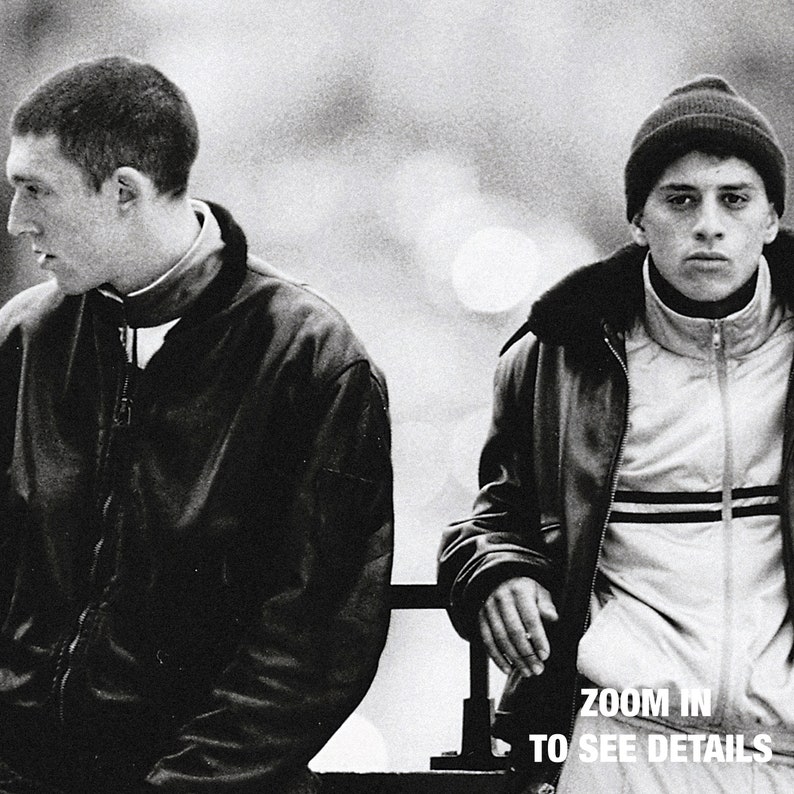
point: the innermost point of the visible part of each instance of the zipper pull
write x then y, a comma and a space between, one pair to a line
716, 334
124, 413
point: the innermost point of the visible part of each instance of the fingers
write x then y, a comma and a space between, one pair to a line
532, 641
511, 625
501, 661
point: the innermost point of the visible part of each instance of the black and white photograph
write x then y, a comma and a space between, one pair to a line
396, 397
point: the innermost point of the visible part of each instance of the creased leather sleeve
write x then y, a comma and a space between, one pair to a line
312, 652
502, 538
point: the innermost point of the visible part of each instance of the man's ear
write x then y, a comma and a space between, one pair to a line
773, 224
128, 185
638, 230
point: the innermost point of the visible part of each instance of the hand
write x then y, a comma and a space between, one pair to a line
511, 625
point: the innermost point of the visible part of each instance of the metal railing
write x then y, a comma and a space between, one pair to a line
477, 750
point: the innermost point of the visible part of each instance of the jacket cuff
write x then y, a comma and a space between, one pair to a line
467, 599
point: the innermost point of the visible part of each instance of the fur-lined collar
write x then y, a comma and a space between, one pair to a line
610, 292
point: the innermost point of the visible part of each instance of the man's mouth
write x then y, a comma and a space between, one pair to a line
42, 257
709, 256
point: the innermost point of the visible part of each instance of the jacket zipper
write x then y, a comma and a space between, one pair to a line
788, 561
69, 654
613, 487
718, 345
122, 417
123, 414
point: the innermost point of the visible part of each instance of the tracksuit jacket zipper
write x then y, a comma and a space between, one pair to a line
718, 346
122, 417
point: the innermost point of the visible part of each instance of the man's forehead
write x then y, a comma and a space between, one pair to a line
34, 157
696, 167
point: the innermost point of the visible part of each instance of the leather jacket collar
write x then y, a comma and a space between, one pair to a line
190, 287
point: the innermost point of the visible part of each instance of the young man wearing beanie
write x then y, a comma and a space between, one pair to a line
633, 532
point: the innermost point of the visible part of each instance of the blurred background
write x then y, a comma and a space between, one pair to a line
431, 166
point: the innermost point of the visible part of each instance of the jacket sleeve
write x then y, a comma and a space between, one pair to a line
503, 536
312, 651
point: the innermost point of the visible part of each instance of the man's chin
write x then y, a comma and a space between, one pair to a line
66, 287
708, 291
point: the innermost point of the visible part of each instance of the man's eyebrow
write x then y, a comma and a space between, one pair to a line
676, 186
684, 186
739, 186
18, 179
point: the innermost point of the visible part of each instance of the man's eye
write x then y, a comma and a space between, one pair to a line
36, 191
679, 200
734, 199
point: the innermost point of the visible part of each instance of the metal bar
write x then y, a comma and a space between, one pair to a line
416, 596
477, 746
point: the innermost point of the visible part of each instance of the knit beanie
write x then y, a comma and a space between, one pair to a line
705, 113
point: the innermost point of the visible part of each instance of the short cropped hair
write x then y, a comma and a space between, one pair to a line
114, 112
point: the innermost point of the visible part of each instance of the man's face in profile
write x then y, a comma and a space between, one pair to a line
706, 221
73, 229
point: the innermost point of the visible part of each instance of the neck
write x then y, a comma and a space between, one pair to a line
711, 310
168, 234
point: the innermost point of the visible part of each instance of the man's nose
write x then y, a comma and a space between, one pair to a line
20, 222
709, 223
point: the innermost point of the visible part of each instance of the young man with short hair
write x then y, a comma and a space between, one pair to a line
196, 508
633, 531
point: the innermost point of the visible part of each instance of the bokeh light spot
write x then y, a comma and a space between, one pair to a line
421, 182
495, 269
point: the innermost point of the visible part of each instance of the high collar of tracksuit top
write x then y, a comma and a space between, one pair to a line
739, 333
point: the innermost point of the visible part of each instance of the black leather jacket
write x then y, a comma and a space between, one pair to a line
195, 557
548, 472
